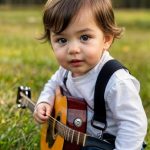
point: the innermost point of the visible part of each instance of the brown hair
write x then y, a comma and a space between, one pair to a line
59, 13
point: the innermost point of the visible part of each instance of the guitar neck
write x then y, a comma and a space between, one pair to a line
28, 102
70, 135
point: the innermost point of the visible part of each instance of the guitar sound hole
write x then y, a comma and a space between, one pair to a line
52, 132
55, 127
49, 138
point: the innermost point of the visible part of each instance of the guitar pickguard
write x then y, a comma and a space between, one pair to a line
76, 119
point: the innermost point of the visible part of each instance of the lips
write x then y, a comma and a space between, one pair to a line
76, 62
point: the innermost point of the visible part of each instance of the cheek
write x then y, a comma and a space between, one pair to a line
94, 54
58, 52
60, 56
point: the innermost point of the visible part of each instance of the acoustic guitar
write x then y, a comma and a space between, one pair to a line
66, 127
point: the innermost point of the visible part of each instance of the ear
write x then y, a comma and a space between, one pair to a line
108, 40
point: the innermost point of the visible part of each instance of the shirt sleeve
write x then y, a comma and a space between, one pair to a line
48, 93
127, 111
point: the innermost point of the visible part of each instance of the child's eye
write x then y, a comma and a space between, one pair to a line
61, 41
84, 37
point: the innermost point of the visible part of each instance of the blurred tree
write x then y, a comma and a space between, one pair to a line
22, 1
131, 3
117, 3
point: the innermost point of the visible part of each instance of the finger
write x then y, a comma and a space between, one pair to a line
38, 120
40, 116
48, 110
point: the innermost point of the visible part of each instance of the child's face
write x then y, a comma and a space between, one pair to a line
80, 46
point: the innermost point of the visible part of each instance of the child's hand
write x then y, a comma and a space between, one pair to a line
42, 112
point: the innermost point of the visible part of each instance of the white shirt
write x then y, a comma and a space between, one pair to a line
126, 118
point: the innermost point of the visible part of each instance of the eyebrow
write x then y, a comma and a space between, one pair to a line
85, 30
79, 31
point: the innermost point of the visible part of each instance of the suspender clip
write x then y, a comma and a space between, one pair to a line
98, 125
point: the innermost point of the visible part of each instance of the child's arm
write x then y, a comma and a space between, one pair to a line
48, 93
128, 113
46, 99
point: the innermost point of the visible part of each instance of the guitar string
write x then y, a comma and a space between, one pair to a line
61, 126
61, 131
64, 128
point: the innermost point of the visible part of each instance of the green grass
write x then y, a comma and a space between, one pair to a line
137, 19
25, 61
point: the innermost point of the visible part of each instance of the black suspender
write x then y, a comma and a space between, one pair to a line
99, 118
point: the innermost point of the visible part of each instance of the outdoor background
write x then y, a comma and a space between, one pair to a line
26, 61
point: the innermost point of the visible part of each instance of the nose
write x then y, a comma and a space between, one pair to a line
73, 48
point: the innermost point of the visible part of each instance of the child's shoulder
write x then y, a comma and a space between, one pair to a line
122, 78
61, 72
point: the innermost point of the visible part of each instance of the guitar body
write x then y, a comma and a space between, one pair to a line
72, 113
67, 123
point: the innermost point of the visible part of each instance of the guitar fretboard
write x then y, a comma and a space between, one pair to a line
67, 133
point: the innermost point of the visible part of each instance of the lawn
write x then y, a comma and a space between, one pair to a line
26, 61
